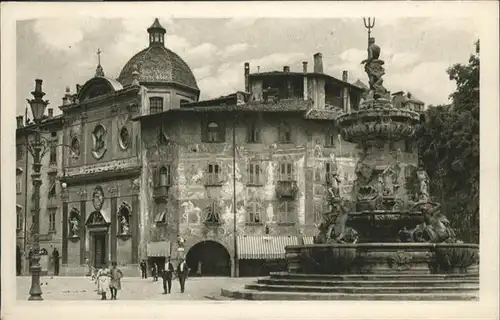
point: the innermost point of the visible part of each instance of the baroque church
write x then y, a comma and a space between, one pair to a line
147, 171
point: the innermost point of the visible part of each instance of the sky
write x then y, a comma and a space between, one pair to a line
416, 51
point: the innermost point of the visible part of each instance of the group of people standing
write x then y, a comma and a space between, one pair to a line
109, 280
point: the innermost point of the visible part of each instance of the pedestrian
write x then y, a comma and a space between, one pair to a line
103, 280
55, 260
167, 276
144, 269
115, 283
198, 270
154, 271
182, 273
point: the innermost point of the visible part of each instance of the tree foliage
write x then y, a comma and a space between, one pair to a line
449, 148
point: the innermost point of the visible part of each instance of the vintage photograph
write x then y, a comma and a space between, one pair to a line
231, 159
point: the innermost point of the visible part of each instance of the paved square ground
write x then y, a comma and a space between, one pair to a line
80, 288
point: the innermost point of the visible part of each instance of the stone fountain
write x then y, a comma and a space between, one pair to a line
387, 240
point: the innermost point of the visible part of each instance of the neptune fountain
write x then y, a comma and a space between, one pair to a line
386, 240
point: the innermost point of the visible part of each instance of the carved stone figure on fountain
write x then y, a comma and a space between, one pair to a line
334, 189
375, 71
333, 228
435, 228
423, 180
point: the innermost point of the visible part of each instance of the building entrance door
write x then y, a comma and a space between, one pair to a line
99, 250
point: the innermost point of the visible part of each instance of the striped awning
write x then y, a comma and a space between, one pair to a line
308, 240
264, 247
159, 249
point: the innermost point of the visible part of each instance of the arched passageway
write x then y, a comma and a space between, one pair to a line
209, 258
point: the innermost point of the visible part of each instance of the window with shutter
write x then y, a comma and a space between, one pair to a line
286, 212
53, 154
52, 185
52, 220
254, 213
213, 174
254, 173
286, 171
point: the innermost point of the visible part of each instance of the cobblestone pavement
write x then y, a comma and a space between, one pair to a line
80, 288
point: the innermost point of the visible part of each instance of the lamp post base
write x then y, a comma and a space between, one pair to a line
36, 290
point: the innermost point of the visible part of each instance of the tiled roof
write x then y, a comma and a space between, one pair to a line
158, 64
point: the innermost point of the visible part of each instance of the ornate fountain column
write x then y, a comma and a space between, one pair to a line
381, 193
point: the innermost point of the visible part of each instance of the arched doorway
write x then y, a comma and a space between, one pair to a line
214, 259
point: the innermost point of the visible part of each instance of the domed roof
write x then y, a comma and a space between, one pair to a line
157, 63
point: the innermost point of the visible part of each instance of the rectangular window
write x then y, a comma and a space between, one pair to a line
286, 171
52, 220
213, 174
52, 185
285, 133
165, 178
318, 215
155, 104
19, 183
254, 174
286, 213
253, 135
19, 152
330, 139
254, 213
53, 154
19, 219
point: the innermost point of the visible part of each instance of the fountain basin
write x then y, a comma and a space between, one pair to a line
382, 225
382, 258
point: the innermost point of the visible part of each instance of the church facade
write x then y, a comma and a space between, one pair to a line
149, 171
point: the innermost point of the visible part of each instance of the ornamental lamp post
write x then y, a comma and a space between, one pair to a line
38, 106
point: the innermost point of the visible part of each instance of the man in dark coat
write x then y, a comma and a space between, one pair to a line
182, 273
144, 270
55, 258
167, 276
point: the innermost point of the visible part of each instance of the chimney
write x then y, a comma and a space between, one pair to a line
19, 120
247, 73
345, 76
305, 85
318, 63
286, 69
51, 112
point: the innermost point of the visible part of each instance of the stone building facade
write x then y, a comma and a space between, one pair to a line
144, 164
50, 205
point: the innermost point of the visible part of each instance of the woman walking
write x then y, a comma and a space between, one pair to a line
103, 280
116, 283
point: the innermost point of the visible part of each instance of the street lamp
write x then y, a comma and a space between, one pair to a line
38, 106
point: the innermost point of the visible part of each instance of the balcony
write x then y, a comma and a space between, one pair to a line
160, 193
287, 189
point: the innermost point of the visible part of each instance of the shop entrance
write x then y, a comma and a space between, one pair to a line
209, 258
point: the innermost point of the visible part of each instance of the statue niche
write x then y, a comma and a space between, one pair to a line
74, 224
124, 214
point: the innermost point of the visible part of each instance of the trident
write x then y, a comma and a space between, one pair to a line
368, 25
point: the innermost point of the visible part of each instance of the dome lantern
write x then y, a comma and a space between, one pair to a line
156, 34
